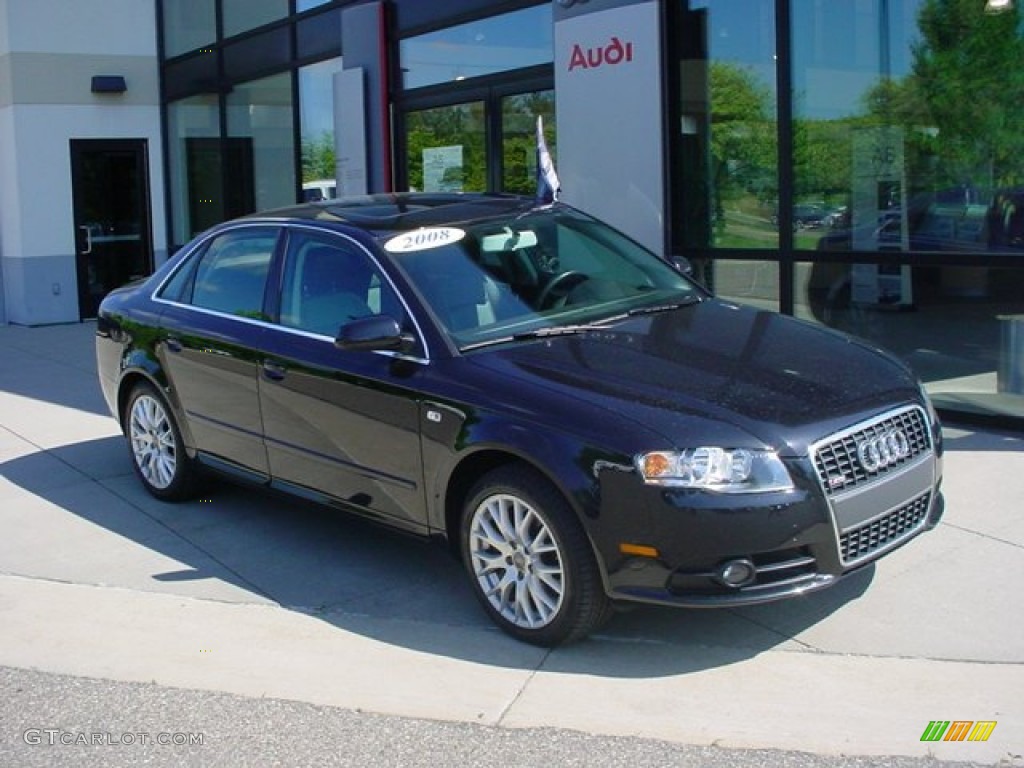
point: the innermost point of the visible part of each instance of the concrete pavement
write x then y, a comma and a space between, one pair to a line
260, 596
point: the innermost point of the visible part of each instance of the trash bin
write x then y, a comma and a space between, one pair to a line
1010, 376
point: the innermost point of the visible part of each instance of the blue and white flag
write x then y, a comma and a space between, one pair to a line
548, 185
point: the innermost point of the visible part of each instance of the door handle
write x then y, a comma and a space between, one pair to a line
88, 239
274, 372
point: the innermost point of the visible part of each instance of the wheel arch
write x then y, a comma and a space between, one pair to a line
485, 459
146, 370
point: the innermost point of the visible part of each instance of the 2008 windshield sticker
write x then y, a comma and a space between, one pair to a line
424, 239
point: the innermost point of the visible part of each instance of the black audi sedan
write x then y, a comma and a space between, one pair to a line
582, 423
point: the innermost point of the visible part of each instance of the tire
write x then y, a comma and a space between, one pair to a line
529, 562
157, 450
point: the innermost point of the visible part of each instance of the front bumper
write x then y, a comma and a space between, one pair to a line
781, 544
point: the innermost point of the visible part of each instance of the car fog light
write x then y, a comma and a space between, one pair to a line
737, 573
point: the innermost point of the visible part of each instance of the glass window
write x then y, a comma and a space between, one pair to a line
906, 135
747, 281
188, 25
726, 145
445, 148
318, 35
305, 5
535, 269
190, 75
261, 135
519, 115
329, 282
907, 125
256, 54
484, 47
243, 15
316, 119
194, 159
232, 274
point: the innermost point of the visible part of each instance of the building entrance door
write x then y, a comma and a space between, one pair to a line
113, 239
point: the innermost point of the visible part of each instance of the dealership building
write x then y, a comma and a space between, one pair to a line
856, 163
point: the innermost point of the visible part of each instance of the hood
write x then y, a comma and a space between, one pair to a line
783, 381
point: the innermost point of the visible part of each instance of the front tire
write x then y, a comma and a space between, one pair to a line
158, 452
530, 563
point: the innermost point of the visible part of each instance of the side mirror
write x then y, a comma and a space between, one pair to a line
369, 334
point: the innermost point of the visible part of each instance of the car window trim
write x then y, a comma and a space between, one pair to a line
188, 258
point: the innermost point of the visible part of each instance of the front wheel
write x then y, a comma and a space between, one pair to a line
529, 561
158, 452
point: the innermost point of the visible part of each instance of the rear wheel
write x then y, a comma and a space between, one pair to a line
529, 561
158, 452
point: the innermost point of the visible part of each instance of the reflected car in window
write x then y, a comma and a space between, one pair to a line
579, 421
805, 216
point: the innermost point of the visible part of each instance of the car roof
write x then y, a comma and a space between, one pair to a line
384, 214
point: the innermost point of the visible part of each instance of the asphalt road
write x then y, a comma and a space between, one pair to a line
287, 634
53, 720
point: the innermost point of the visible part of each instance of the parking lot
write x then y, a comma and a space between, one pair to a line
259, 596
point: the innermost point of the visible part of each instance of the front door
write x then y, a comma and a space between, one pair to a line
113, 240
340, 423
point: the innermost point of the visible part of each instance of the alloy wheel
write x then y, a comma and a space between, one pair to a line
153, 441
516, 561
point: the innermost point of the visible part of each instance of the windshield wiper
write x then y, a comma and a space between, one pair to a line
561, 330
689, 301
546, 332
550, 331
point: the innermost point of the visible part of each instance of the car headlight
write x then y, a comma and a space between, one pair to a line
716, 469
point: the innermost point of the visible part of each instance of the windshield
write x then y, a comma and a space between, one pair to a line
548, 268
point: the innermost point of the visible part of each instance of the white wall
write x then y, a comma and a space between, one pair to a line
49, 52
122, 27
7, 195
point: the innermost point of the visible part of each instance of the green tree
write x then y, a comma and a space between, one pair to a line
318, 157
963, 103
519, 139
822, 169
743, 136
459, 125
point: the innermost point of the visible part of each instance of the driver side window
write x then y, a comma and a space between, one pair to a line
329, 282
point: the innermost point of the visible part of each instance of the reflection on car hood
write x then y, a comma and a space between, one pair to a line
781, 380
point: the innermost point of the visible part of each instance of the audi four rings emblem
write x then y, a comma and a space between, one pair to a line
883, 450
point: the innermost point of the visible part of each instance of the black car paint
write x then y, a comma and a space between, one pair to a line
410, 430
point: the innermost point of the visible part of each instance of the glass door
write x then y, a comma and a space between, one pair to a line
110, 183
446, 148
479, 145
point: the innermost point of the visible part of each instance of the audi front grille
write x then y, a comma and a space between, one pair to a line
836, 461
879, 479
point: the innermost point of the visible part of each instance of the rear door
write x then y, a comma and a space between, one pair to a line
214, 325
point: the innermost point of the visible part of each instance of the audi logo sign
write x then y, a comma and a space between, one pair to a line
883, 450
